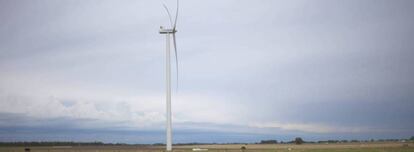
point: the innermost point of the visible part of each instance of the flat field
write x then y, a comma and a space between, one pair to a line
341, 147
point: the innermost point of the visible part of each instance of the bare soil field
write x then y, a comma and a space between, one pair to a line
340, 147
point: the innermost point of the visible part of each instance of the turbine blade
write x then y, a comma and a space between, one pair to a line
176, 56
176, 16
169, 15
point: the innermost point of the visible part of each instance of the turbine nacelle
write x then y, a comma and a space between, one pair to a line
167, 31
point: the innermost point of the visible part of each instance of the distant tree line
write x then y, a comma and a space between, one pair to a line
297, 140
268, 142
371, 140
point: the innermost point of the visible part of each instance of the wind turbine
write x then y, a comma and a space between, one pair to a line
168, 32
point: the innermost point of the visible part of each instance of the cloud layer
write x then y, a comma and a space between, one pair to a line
320, 69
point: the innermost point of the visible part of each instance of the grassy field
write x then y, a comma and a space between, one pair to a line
345, 147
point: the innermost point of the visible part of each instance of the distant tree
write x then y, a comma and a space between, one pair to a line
268, 142
412, 138
298, 141
158, 144
321, 141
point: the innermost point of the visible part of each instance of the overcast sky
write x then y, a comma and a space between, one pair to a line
94, 70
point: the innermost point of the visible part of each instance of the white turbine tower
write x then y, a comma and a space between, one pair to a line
168, 32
